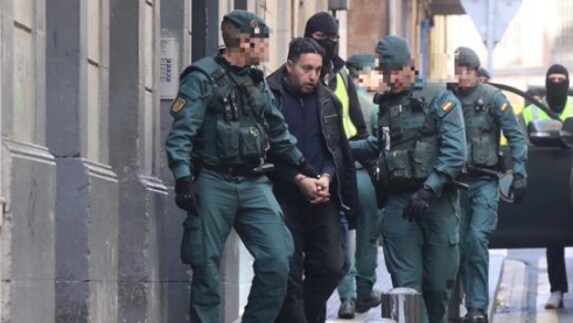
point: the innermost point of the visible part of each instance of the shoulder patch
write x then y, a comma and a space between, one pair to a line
447, 106
178, 104
503, 106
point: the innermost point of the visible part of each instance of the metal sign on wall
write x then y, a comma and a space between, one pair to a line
337, 4
169, 75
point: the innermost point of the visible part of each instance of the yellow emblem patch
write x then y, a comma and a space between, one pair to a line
503, 106
178, 104
447, 106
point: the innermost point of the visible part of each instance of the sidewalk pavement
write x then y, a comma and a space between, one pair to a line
384, 284
524, 289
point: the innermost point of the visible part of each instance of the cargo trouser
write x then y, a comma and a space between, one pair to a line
363, 266
248, 205
478, 220
423, 254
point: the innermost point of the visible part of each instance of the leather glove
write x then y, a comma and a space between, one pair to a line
185, 195
305, 168
518, 188
418, 203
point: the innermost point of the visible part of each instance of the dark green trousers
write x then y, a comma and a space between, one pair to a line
248, 205
479, 219
363, 266
423, 254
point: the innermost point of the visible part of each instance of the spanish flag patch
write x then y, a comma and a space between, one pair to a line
447, 106
178, 104
503, 106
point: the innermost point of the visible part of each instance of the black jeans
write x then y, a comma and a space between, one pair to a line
318, 256
556, 269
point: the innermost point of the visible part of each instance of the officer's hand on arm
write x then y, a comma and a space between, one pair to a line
185, 195
518, 188
418, 203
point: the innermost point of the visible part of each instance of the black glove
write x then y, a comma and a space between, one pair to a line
418, 203
306, 169
518, 188
185, 196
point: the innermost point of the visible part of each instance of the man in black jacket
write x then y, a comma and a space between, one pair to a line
313, 115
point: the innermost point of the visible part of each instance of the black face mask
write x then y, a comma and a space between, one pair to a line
556, 94
330, 49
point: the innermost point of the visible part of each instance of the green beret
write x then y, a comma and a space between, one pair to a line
483, 72
465, 56
248, 23
393, 52
361, 61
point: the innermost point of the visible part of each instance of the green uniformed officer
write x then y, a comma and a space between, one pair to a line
487, 112
224, 121
355, 289
420, 149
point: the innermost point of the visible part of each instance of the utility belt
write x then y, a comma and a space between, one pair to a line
247, 170
473, 171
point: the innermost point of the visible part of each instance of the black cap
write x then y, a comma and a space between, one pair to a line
323, 22
248, 23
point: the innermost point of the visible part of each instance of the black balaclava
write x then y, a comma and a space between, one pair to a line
556, 94
326, 23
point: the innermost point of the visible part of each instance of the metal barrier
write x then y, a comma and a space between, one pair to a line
403, 305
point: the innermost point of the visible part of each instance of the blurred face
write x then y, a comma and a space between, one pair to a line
370, 79
304, 74
255, 49
399, 79
467, 76
483, 79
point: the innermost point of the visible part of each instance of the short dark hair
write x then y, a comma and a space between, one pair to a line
302, 45
230, 32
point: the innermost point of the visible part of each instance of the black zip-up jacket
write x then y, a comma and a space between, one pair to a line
336, 142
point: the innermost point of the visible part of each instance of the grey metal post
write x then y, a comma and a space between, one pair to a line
402, 304
490, 34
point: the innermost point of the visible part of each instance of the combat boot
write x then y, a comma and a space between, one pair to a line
365, 304
347, 309
475, 316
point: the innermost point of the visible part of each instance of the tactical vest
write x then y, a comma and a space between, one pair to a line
531, 112
234, 127
341, 92
410, 150
482, 126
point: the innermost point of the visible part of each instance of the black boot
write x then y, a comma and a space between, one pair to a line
475, 316
365, 304
347, 309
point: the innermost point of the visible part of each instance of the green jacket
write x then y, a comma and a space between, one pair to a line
487, 112
205, 130
427, 144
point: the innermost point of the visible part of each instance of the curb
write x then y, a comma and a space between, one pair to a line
510, 303
492, 304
